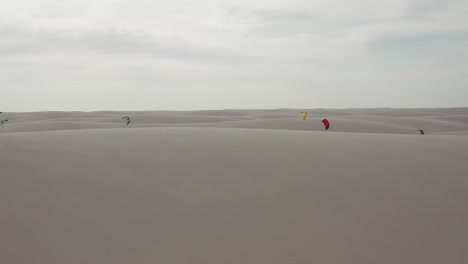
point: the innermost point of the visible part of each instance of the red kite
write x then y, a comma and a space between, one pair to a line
326, 124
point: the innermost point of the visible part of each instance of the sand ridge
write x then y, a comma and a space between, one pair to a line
390, 121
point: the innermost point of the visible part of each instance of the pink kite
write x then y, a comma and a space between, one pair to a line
326, 124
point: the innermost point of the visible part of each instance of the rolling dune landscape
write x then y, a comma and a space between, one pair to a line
235, 186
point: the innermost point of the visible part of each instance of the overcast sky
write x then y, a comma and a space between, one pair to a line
215, 54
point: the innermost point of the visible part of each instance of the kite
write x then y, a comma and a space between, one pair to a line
3, 121
304, 115
126, 119
326, 124
421, 131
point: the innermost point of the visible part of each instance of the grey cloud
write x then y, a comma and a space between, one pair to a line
429, 46
20, 40
421, 8
270, 22
276, 22
286, 22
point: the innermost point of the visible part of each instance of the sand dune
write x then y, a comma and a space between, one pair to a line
353, 124
268, 190
463, 119
395, 121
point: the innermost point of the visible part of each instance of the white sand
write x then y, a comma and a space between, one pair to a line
252, 186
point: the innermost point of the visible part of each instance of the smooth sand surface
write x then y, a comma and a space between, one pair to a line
235, 186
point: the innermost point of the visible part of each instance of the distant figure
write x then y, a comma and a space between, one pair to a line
326, 124
421, 132
304, 115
